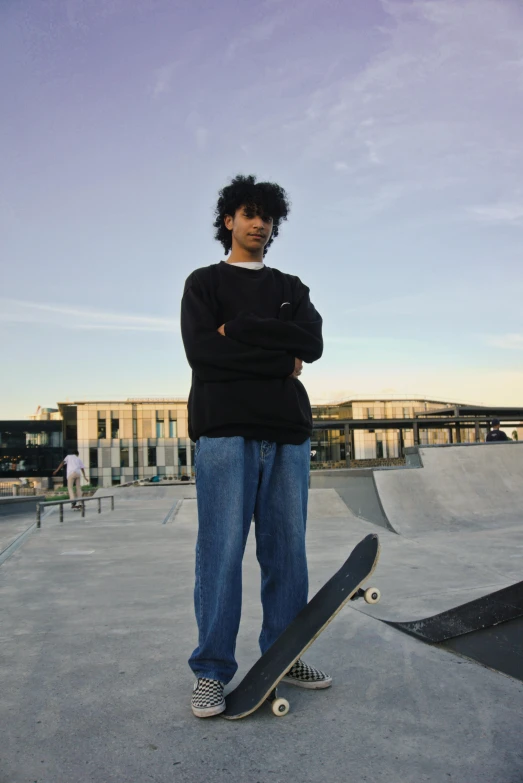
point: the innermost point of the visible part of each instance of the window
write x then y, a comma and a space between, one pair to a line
115, 426
159, 428
172, 427
16, 440
135, 457
124, 458
93, 457
379, 449
182, 457
406, 413
151, 456
37, 439
56, 439
102, 426
115, 476
135, 428
370, 413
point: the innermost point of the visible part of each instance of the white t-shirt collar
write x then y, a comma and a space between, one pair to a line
248, 264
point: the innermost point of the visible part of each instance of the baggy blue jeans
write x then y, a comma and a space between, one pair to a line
236, 479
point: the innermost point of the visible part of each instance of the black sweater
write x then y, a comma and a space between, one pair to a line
240, 382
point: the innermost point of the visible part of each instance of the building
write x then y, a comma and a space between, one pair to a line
372, 442
122, 441
379, 430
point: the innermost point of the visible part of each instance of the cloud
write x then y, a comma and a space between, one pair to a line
17, 311
271, 16
371, 149
430, 118
380, 341
163, 77
507, 341
201, 135
505, 213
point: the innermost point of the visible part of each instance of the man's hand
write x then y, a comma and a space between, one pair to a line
298, 367
222, 329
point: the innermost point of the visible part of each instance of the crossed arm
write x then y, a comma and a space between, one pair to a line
253, 347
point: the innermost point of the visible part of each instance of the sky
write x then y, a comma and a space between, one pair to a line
394, 125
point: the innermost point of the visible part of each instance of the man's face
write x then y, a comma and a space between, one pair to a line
250, 229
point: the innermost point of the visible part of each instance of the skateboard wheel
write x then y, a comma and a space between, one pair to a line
372, 595
280, 707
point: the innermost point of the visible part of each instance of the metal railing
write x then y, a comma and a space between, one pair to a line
62, 503
16, 490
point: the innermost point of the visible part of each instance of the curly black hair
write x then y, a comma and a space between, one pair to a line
267, 198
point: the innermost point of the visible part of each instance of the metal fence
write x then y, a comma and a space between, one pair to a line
77, 501
10, 489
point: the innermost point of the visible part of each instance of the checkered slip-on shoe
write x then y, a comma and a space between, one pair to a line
207, 698
305, 676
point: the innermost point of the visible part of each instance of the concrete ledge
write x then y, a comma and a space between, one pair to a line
19, 505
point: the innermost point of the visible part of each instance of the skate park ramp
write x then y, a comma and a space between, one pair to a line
488, 629
458, 488
357, 489
452, 574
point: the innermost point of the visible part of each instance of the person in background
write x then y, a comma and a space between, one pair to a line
75, 468
496, 435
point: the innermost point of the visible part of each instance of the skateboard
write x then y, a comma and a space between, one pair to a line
260, 682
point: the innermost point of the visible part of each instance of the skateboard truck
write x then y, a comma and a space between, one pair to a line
371, 595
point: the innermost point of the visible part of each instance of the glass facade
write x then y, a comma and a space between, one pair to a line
30, 448
340, 449
115, 427
329, 445
102, 425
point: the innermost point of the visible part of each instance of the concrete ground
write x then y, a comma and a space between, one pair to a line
97, 625
13, 526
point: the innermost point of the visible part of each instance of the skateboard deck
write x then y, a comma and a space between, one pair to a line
261, 680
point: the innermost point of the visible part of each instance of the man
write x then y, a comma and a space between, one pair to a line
75, 467
247, 329
496, 435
